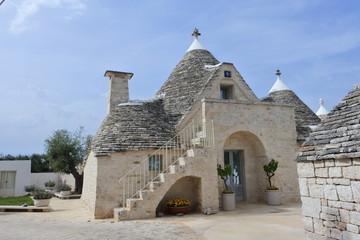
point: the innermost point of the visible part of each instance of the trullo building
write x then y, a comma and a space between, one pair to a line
205, 114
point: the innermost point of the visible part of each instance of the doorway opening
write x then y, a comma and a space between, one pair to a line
236, 182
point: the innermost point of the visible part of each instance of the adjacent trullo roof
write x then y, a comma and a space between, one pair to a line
304, 116
338, 135
136, 126
322, 110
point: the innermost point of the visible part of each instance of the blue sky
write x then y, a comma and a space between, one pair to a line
54, 53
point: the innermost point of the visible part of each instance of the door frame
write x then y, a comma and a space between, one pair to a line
242, 169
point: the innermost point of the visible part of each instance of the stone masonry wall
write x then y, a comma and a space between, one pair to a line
264, 131
330, 194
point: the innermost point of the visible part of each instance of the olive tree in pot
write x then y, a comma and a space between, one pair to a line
272, 193
41, 198
228, 196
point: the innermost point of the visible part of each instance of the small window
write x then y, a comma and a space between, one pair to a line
227, 74
155, 163
225, 92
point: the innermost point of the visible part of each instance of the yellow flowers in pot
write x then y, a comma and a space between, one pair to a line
178, 202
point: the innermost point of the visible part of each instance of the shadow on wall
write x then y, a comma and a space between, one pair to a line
186, 187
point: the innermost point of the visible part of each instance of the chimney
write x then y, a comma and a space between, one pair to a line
118, 88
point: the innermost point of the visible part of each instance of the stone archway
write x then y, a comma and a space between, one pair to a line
252, 158
187, 187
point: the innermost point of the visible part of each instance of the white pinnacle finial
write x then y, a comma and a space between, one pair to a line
279, 84
322, 110
196, 43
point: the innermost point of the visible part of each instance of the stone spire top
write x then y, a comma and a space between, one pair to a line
196, 43
322, 110
279, 84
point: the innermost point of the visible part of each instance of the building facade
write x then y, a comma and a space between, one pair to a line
205, 114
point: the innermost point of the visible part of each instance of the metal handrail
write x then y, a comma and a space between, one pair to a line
147, 171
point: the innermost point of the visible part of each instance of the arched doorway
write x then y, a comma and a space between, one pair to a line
246, 154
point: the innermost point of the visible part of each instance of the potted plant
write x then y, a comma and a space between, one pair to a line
178, 205
228, 196
49, 185
29, 189
64, 190
273, 192
41, 198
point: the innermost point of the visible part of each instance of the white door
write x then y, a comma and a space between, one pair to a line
7, 183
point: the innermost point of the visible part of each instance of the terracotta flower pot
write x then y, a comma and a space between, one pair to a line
177, 210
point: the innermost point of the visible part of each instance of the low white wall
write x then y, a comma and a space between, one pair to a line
39, 179
23, 171
24, 177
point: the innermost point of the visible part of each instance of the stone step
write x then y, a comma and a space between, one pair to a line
180, 162
121, 214
199, 134
198, 142
154, 185
190, 153
132, 202
161, 177
144, 194
173, 169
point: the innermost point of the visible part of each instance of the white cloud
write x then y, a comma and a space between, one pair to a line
28, 8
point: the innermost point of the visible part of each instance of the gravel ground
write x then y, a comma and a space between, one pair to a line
68, 220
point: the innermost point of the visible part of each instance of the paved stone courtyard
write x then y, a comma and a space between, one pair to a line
68, 220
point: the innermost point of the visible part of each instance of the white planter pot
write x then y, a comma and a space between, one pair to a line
228, 201
41, 202
64, 193
273, 197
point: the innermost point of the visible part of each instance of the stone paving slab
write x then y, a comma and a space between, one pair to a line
69, 220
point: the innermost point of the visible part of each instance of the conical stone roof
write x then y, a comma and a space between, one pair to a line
186, 82
304, 116
133, 127
338, 135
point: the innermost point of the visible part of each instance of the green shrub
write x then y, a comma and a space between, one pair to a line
50, 184
42, 194
64, 187
31, 188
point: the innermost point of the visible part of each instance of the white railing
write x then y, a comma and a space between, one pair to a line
149, 170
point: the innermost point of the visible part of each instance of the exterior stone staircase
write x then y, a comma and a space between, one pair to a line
144, 204
142, 193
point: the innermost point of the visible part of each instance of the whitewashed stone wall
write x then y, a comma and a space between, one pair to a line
330, 195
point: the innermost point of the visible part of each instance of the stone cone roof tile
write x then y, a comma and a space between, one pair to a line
304, 116
186, 82
338, 135
133, 127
